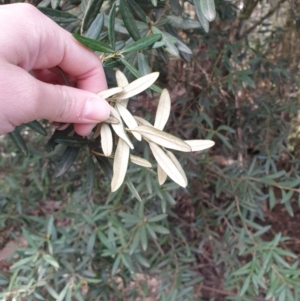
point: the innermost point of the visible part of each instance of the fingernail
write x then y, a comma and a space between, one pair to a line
96, 109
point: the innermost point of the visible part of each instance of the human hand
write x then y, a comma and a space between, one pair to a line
32, 42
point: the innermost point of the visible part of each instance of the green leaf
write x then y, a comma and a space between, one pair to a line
133, 190
245, 286
157, 218
111, 25
50, 225
116, 265
137, 74
91, 244
63, 293
202, 19
105, 166
208, 9
56, 135
19, 141
90, 176
66, 161
143, 64
137, 10
91, 13
183, 23
176, 7
22, 262
160, 229
142, 43
93, 44
36, 126
48, 258
143, 237
58, 16
129, 20
75, 141
95, 29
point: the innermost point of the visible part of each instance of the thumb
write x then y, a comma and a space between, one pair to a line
24, 98
71, 105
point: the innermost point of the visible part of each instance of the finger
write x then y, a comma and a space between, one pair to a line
46, 45
36, 100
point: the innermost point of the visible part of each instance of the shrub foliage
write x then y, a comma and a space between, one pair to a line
232, 71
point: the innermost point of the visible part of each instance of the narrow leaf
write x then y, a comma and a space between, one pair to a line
94, 30
178, 165
129, 20
137, 86
120, 165
105, 166
119, 128
66, 161
122, 82
202, 19
142, 43
167, 165
199, 145
36, 126
137, 10
142, 121
128, 119
143, 64
176, 7
162, 176
19, 141
111, 25
163, 110
74, 141
91, 13
136, 73
162, 138
106, 140
90, 176
109, 92
140, 161
208, 9
58, 16
93, 44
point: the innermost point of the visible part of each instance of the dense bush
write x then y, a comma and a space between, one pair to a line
231, 234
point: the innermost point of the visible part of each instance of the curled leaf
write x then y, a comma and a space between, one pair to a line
106, 140
128, 119
120, 164
140, 161
159, 137
142, 121
97, 131
109, 92
137, 86
178, 165
163, 110
162, 176
199, 145
119, 128
167, 164
122, 82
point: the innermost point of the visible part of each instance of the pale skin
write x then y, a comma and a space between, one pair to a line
32, 42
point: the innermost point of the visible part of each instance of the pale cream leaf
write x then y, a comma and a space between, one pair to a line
140, 161
163, 110
199, 145
162, 176
106, 140
108, 93
120, 164
119, 128
142, 121
122, 82
137, 86
162, 138
128, 119
167, 165
178, 165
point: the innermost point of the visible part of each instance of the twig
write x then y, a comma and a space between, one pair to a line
266, 16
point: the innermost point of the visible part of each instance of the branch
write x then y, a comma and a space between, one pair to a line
269, 14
